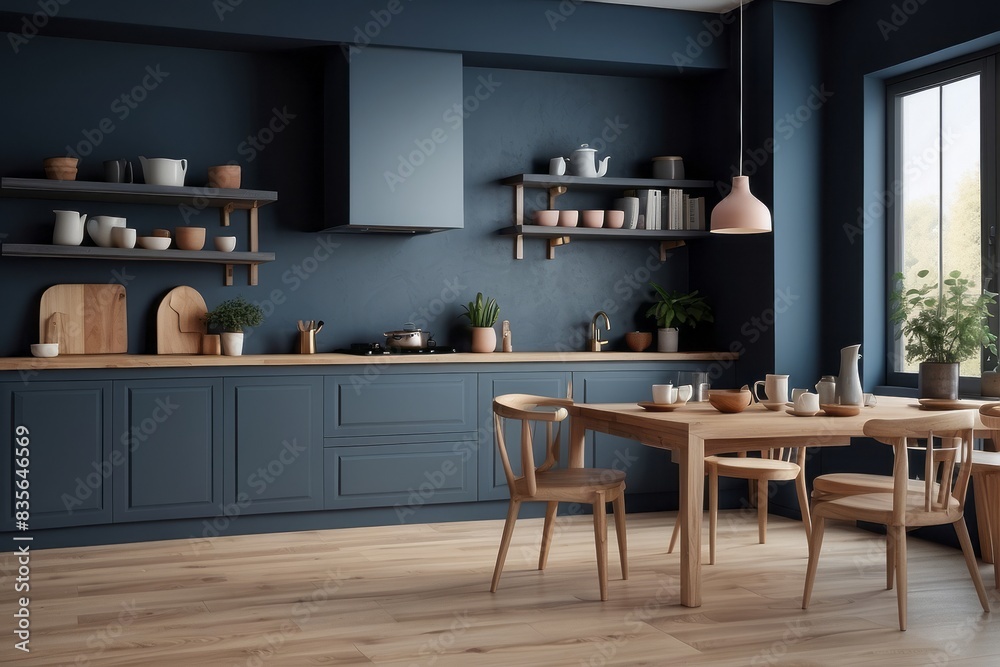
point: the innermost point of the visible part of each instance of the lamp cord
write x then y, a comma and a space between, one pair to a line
740, 158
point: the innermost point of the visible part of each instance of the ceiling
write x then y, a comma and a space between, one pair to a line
711, 6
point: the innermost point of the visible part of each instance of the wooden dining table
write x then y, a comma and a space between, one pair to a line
697, 429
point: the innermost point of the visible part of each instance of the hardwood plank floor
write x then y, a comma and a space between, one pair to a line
419, 595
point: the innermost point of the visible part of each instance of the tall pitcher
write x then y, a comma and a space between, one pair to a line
849, 390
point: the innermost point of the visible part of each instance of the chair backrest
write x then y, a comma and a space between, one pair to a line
947, 444
529, 410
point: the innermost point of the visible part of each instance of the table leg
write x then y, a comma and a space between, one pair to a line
691, 461
577, 441
980, 485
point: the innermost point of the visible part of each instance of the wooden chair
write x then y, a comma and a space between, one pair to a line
940, 500
986, 488
774, 465
594, 486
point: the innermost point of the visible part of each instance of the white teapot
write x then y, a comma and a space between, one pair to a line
583, 162
99, 228
163, 171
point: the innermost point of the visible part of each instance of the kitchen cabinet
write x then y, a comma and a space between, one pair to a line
394, 141
224, 199
274, 444
168, 439
557, 236
69, 450
492, 481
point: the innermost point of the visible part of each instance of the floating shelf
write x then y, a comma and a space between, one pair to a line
603, 183
558, 236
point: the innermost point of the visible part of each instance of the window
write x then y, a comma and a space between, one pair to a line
942, 134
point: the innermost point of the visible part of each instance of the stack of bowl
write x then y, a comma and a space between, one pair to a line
60, 168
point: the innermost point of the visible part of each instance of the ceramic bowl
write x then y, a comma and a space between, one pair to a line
224, 176
614, 219
568, 218
190, 238
730, 400
547, 218
123, 237
60, 173
225, 243
153, 242
592, 219
45, 349
638, 341
71, 162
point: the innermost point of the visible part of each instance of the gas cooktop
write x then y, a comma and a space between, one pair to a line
372, 349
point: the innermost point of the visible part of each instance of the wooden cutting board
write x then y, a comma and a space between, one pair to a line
180, 322
84, 319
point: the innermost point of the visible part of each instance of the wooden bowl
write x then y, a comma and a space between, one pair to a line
164, 233
638, 341
61, 162
60, 173
224, 176
189, 238
730, 400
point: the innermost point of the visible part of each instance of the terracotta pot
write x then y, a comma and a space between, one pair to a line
224, 176
937, 380
666, 340
232, 343
638, 341
484, 339
189, 238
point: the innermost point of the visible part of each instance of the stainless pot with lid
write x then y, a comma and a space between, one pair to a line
409, 337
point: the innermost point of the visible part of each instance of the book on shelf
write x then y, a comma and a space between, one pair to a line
649, 207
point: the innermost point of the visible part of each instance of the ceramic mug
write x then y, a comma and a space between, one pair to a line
684, 393
775, 388
807, 403
664, 394
557, 166
118, 171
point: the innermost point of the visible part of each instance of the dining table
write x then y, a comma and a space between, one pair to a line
695, 430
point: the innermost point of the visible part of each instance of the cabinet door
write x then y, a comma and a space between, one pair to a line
492, 483
274, 444
168, 433
70, 457
646, 469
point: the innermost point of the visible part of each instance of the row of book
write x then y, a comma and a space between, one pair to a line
676, 211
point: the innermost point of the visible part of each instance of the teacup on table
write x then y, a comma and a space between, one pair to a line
806, 403
664, 394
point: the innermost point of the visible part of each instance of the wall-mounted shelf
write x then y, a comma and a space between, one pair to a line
559, 185
226, 200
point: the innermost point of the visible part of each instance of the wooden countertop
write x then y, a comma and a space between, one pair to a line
84, 361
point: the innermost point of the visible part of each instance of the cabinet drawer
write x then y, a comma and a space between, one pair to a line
405, 476
400, 404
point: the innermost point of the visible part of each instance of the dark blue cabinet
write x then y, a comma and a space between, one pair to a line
70, 459
492, 483
274, 444
168, 435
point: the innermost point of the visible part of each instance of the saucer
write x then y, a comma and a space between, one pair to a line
792, 411
660, 407
836, 410
774, 406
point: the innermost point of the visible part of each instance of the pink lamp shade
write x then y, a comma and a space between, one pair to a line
740, 212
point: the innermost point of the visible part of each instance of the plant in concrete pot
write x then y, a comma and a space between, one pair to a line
942, 326
230, 317
675, 308
483, 314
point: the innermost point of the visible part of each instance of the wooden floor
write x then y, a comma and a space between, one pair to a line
419, 595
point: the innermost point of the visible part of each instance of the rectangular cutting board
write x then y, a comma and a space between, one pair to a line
84, 319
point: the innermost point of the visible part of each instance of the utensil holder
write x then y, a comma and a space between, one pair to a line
211, 344
307, 342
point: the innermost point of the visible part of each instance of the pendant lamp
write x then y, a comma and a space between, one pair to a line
740, 212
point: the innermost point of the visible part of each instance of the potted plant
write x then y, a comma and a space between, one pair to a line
230, 317
942, 328
483, 314
673, 308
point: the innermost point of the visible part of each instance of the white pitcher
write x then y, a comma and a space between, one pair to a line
163, 171
68, 229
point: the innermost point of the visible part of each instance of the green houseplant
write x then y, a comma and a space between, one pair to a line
942, 327
483, 314
674, 308
230, 317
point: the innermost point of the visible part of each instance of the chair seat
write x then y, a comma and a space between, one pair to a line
753, 468
850, 483
592, 478
877, 508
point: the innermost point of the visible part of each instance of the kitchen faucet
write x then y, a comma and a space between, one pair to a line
595, 339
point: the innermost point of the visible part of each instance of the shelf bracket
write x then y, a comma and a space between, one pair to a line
228, 282
519, 246
252, 270
519, 205
554, 193
224, 214
668, 245
554, 243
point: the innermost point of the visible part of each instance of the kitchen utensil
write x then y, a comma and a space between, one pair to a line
163, 171
99, 228
508, 343
668, 167
806, 403
664, 394
307, 342
44, 349
180, 323
153, 242
775, 388
583, 163
319, 326
301, 325
408, 337
225, 243
224, 176
189, 238
118, 171
84, 319
68, 229
123, 237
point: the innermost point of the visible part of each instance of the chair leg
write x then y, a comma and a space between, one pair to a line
899, 547
815, 544
803, 495
713, 511
970, 560
601, 540
673, 535
762, 510
619, 507
890, 559
550, 519
508, 530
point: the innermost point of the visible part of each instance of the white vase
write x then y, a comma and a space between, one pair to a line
849, 390
666, 340
232, 343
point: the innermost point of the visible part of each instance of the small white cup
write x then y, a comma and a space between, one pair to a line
684, 392
807, 403
664, 394
225, 243
123, 237
798, 392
